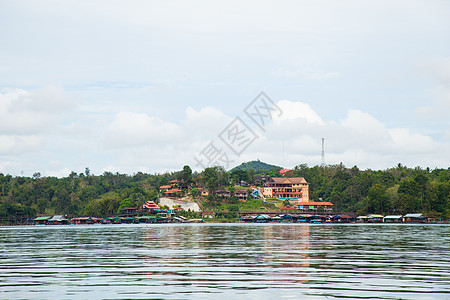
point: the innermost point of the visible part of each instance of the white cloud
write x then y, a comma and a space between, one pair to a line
132, 142
17, 144
27, 118
403, 141
136, 129
297, 110
157, 81
439, 107
358, 139
23, 112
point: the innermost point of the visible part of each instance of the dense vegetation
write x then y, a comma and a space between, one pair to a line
397, 190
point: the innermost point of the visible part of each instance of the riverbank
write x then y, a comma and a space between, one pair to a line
244, 217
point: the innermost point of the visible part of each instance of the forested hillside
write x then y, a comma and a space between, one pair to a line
397, 190
257, 166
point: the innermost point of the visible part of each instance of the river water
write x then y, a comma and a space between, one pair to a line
225, 261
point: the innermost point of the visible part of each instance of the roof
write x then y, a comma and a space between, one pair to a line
414, 216
262, 216
174, 181
171, 191
287, 207
393, 217
82, 218
314, 203
165, 187
375, 216
58, 218
290, 180
150, 205
344, 216
282, 171
42, 218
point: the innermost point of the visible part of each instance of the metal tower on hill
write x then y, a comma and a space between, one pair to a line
323, 152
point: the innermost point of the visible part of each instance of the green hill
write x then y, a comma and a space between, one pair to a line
256, 165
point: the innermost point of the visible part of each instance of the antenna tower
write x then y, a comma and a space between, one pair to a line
323, 152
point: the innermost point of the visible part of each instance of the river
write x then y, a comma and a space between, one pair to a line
226, 261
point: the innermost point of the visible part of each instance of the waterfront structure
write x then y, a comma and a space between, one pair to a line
342, 219
392, 219
306, 206
414, 218
58, 220
41, 220
262, 218
374, 218
82, 220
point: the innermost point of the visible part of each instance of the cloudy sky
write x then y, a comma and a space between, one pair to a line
128, 86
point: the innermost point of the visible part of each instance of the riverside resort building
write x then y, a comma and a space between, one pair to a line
294, 188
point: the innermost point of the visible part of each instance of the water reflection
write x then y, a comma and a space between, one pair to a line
225, 261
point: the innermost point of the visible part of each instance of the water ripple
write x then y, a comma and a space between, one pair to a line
224, 261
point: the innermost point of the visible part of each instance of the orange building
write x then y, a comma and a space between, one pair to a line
294, 188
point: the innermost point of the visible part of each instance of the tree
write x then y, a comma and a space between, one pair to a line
187, 175
62, 201
195, 192
233, 212
238, 176
213, 177
378, 200
127, 202
250, 176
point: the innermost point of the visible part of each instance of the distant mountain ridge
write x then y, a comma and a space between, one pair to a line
256, 165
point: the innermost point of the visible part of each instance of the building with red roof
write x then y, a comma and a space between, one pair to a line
283, 171
172, 192
165, 187
150, 206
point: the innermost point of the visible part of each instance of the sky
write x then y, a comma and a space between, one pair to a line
151, 86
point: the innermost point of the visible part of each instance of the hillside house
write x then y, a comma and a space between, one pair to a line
241, 194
